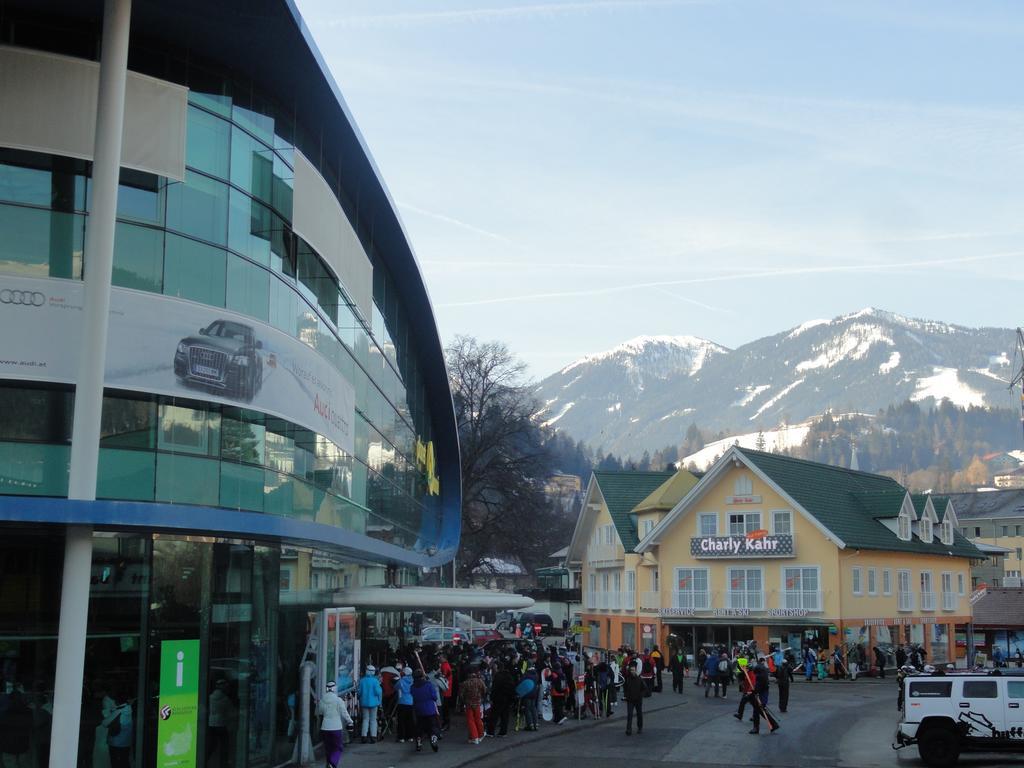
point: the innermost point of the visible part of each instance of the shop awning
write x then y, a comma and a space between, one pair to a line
429, 598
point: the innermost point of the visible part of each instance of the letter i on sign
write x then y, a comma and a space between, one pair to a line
179, 679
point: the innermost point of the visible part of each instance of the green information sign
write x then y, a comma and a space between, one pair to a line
179, 704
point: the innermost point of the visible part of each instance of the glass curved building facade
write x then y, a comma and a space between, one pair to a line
276, 421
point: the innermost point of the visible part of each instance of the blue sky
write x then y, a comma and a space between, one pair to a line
573, 173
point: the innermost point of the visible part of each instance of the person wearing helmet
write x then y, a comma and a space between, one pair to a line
335, 717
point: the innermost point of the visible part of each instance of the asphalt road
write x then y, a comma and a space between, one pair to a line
831, 725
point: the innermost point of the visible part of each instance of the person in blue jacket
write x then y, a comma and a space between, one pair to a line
711, 673
406, 718
370, 696
425, 702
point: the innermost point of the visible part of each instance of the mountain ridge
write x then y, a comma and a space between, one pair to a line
642, 394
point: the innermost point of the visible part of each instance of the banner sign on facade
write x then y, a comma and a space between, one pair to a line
178, 348
722, 547
179, 704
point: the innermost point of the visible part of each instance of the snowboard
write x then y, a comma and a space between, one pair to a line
546, 710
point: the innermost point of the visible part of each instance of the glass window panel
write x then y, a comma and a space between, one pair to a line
141, 197
278, 491
199, 207
282, 190
25, 185
128, 423
255, 122
241, 487
138, 257
243, 441
194, 271
42, 415
187, 479
208, 143
252, 165
249, 227
248, 288
41, 243
188, 430
214, 102
34, 469
283, 307
126, 474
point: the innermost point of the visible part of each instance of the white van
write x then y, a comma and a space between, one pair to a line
945, 715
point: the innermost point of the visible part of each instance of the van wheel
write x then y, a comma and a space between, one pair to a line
939, 747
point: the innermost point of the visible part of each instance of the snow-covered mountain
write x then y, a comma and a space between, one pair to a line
644, 393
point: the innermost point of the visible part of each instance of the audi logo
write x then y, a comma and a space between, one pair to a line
24, 298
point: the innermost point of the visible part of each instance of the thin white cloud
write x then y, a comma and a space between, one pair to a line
503, 13
758, 274
696, 303
453, 221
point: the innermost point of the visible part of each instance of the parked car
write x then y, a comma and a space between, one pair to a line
444, 635
947, 714
484, 635
224, 356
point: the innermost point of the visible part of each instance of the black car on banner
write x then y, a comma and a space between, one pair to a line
223, 356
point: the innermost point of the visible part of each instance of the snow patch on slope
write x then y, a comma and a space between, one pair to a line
752, 393
698, 349
806, 327
852, 344
561, 413
774, 440
890, 364
672, 415
776, 399
946, 384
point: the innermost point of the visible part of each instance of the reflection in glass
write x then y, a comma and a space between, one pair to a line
194, 271
248, 288
41, 243
138, 257
198, 207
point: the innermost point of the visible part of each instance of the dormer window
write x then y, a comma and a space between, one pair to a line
743, 486
947, 531
904, 526
925, 530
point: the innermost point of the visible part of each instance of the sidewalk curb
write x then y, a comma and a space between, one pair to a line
544, 736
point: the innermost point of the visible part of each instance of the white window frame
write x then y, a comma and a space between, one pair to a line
947, 531
743, 485
801, 597
701, 516
746, 521
904, 527
857, 581
631, 581
646, 527
872, 582
886, 582
746, 571
960, 584
775, 514
678, 593
656, 580
901, 574
925, 579
924, 529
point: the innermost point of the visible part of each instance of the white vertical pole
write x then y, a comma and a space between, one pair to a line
85, 435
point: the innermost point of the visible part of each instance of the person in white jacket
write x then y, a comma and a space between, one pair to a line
335, 717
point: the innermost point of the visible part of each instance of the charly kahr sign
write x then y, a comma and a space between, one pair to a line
174, 347
764, 545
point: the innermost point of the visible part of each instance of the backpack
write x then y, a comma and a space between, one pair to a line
723, 666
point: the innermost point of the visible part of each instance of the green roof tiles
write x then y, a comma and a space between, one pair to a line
622, 491
851, 503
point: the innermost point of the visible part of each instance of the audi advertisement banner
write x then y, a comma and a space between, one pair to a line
174, 347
